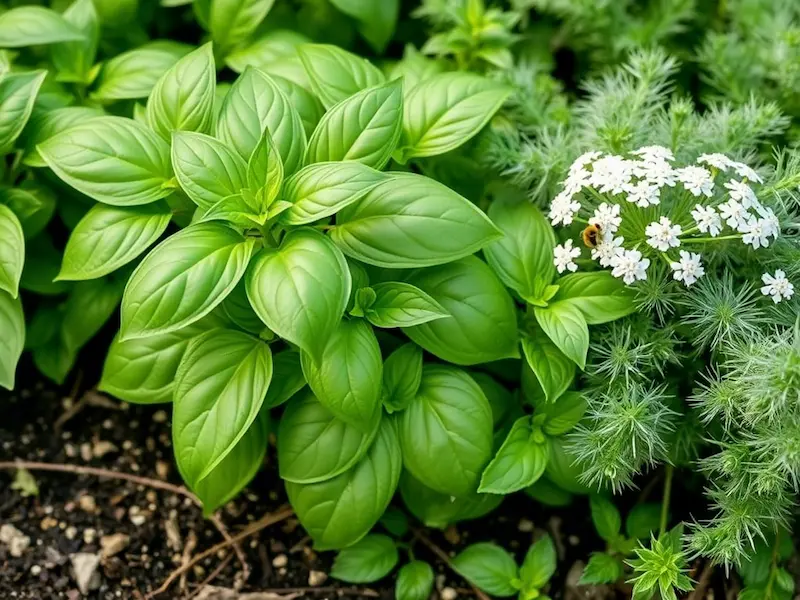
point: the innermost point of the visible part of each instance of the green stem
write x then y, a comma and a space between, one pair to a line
665, 499
774, 567
705, 240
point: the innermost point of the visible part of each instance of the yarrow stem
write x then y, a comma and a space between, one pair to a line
665, 500
705, 240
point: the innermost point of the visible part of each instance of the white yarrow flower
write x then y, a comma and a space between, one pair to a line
630, 266
606, 217
755, 233
643, 193
580, 163
742, 193
772, 225
654, 153
611, 174
742, 170
563, 256
696, 180
719, 161
607, 250
734, 214
656, 172
563, 209
663, 235
777, 286
688, 269
707, 219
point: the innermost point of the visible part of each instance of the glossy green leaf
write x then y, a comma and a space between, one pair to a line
643, 520
314, 445
12, 324
12, 251
488, 567
414, 581
566, 326
288, 378
231, 21
89, 306
402, 375
43, 126
336, 74
33, 204
74, 60
368, 560
563, 414
270, 52
482, 326
553, 369
599, 296
17, 95
300, 289
307, 105
33, 26
340, 511
108, 237
446, 431
400, 304
411, 221
520, 461
183, 279
601, 568
347, 378
606, 517
265, 172
539, 564
219, 388
364, 127
111, 159
376, 19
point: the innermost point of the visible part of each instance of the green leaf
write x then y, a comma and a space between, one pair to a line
265, 173
563, 414
89, 306
54, 360
539, 564
446, 431
33, 204
488, 567
287, 380
108, 237
554, 371
236, 307
34, 26
111, 159
370, 559
43, 126
643, 520
42, 262
323, 189
183, 279
236, 470
183, 98
565, 325
18, 93
12, 324
336, 74
133, 74
548, 493
307, 105
415, 67
500, 399
606, 517
409, 221
219, 388
142, 371
74, 60
272, 53
12, 251
314, 445
523, 258
520, 461
254, 103
376, 19
206, 168
231, 21
483, 323
340, 511
402, 305
364, 127
445, 111
300, 289
601, 568
402, 375
414, 581
599, 296
348, 376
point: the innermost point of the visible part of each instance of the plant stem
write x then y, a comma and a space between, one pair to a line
703, 240
665, 500
773, 572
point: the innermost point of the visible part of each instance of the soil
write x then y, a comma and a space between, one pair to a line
156, 531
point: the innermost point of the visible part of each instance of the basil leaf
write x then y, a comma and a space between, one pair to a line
402, 375
33, 204
643, 520
108, 237
601, 568
183, 98
314, 445
12, 324
236, 470
564, 414
323, 189
265, 172
414, 581
12, 251
219, 388
443, 112
111, 159
300, 289
488, 567
605, 516
42, 262
411, 221
183, 279
133, 74
523, 257
33, 26
402, 305
272, 51
307, 105
348, 376
253, 104
340, 511
336, 74
599, 296
553, 369
231, 21
142, 371
539, 564
500, 399
45, 125
206, 168
17, 95
415, 67
74, 60
483, 323
446, 431
565, 325
563, 468
364, 127
376, 20
370, 559
520, 461
288, 378
89, 306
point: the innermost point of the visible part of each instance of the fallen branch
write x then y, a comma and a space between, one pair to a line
702, 583
214, 574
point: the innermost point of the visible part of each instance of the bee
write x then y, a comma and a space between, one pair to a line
591, 236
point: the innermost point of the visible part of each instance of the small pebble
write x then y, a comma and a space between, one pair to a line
449, 593
71, 532
89, 535
87, 503
316, 578
160, 416
280, 561
138, 520
35, 570
525, 525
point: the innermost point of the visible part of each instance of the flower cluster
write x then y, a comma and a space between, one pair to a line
605, 190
